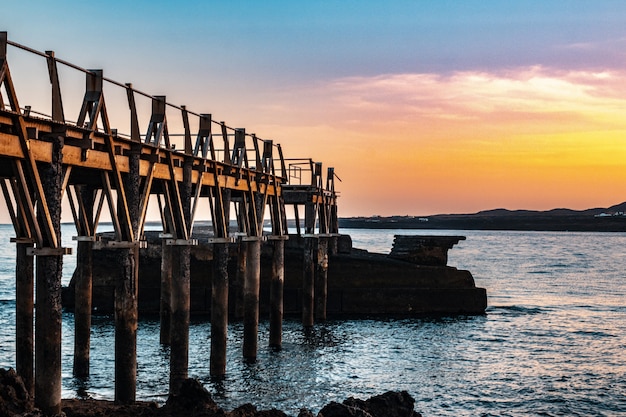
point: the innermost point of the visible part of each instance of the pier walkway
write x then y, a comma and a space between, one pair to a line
180, 164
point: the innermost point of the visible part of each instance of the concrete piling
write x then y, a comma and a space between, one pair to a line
251, 290
82, 306
276, 293
126, 325
179, 350
165, 306
239, 278
219, 310
321, 278
49, 271
24, 315
308, 280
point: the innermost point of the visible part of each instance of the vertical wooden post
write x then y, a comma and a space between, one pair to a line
219, 309
251, 289
308, 280
82, 307
24, 297
276, 293
48, 290
166, 290
321, 278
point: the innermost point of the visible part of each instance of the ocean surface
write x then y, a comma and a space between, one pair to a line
552, 343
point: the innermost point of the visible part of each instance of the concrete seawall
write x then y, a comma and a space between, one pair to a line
359, 283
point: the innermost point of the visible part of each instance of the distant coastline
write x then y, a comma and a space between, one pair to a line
610, 219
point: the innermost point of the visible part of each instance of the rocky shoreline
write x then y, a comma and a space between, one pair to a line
194, 401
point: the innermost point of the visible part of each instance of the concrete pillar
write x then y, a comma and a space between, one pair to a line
126, 326
251, 290
83, 288
181, 291
165, 308
219, 309
179, 350
49, 272
308, 280
24, 315
82, 306
276, 293
333, 245
321, 278
126, 311
239, 278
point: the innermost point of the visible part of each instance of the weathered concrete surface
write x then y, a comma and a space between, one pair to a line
359, 283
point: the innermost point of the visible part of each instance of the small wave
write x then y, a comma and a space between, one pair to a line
519, 310
593, 334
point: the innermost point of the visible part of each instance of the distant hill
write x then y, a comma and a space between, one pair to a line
610, 219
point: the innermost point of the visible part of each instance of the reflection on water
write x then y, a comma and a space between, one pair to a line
552, 341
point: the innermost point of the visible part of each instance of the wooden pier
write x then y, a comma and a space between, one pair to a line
48, 162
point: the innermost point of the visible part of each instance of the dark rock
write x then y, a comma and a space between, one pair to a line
14, 398
193, 400
334, 409
305, 413
248, 410
389, 404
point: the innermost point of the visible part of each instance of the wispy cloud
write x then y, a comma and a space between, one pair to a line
534, 94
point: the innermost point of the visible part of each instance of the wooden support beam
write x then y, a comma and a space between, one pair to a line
135, 135
57, 102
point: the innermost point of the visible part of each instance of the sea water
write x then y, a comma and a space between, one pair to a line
552, 342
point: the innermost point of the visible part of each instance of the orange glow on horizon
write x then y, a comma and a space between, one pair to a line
419, 144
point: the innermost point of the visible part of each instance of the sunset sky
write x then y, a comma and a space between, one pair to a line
422, 107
